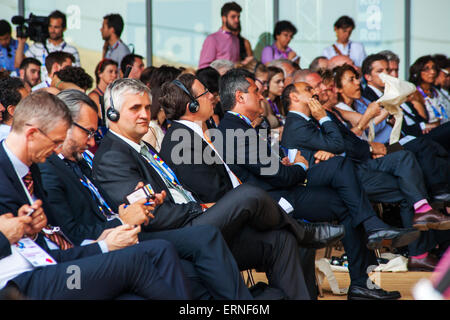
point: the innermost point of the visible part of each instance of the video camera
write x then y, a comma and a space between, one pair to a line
35, 27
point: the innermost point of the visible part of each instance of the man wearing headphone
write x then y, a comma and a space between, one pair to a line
242, 215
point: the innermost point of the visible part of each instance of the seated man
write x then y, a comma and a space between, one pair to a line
77, 206
54, 62
143, 268
195, 157
248, 220
149, 270
390, 178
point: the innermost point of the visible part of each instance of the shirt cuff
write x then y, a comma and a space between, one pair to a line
324, 119
422, 125
302, 165
103, 246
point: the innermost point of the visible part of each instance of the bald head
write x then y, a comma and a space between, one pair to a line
338, 61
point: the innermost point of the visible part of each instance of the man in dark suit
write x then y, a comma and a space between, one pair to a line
318, 201
431, 155
391, 178
249, 222
80, 209
151, 269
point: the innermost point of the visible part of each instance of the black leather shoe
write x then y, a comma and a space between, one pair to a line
393, 238
321, 235
363, 293
443, 197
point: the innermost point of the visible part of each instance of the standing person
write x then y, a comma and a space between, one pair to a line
8, 47
344, 27
56, 27
283, 33
106, 72
30, 72
223, 44
111, 30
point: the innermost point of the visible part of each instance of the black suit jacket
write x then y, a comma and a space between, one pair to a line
202, 171
414, 129
118, 168
77, 212
307, 137
246, 163
12, 197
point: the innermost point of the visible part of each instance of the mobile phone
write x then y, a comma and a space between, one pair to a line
146, 192
30, 212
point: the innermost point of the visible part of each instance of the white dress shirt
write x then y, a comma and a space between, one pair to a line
356, 50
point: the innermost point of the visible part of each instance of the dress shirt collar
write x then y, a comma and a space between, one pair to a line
378, 92
20, 167
193, 126
304, 116
132, 144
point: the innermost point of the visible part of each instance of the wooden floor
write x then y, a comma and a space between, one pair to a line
401, 281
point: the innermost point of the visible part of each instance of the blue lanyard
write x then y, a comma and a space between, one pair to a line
88, 157
247, 120
164, 169
443, 114
97, 196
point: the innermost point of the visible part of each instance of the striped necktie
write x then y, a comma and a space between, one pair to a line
29, 184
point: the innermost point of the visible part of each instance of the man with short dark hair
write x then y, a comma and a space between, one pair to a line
55, 61
344, 27
30, 72
8, 47
223, 44
111, 30
57, 25
135, 63
12, 90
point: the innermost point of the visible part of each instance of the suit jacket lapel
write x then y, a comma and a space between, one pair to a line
10, 172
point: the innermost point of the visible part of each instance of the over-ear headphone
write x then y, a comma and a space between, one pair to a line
193, 105
112, 114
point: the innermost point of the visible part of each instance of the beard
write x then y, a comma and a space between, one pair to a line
230, 27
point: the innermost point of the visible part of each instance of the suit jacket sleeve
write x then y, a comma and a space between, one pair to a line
118, 173
5, 246
63, 212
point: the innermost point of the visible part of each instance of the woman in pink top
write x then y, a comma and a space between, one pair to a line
283, 34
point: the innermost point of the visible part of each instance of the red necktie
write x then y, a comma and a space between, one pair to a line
29, 184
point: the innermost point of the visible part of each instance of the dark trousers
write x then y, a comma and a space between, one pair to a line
209, 265
441, 135
150, 270
260, 235
433, 160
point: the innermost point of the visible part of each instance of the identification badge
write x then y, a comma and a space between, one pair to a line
145, 192
33, 253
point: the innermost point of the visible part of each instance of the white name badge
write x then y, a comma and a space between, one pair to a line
283, 203
33, 253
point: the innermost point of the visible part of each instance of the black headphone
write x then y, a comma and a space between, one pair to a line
112, 114
193, 105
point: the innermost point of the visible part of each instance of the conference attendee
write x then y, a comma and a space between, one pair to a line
319, 64
432, 157
423, 74
275, 89
288, 67
56, 27
8, 47
245, 48
85, 213
106, 72
223, 44
132, 66
40, 125
193, 125
54, 62
339, 61
210, 77
393, 178
30, 72
73, 75
111, 30
344, 27
12, 91
283, 33
107, 272
243, 216
413, 124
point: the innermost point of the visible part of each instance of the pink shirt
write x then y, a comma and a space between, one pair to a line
217, 46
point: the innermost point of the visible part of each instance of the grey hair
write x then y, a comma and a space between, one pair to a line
300, 75
314, 65
279, 64
73, 100
41, 109
120, 88
220, 64
390, 56
231, 82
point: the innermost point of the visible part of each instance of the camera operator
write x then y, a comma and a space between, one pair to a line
8, 47
55, 42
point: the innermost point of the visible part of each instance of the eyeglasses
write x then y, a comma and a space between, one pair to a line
201, 94
57, 144
90, 133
